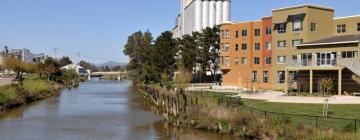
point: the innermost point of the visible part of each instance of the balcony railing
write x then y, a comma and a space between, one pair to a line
310, 63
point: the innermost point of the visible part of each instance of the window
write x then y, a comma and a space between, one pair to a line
313, 27
281, 28
296, 42
227, 61
294, 59
243, 60
281, 76
222, 34
306, 59
349, 54
227, 48
268, 45
254, 76
236, 60
256, 60
222, 48
268, 60
297, 23
244, 33
257, 32
341, 28
358, 27
236, 47
257, 46
227, 34
236, 34
281, 44
268, 31
266, 77
222, 60
244, 47
281, 59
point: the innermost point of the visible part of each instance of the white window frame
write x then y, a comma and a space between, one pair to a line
283, 42
265, 76
278, 58
244, 60
268, 46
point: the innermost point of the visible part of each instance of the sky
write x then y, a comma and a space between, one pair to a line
97, 30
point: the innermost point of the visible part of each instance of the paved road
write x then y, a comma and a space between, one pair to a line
5, 81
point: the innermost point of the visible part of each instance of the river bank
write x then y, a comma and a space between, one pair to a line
15, 95
217, 113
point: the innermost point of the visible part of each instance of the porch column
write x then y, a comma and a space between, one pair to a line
340, 82
311, 81
286, 81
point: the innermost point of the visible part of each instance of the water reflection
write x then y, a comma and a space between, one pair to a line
97, 110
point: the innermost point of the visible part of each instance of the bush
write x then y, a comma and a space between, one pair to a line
8, 95
36, 86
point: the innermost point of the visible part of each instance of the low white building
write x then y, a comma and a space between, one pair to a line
78, 69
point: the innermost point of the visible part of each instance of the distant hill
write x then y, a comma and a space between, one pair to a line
111, 64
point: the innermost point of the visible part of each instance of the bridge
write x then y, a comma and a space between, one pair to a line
106, 73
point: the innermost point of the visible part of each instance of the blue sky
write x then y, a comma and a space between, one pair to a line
98, 29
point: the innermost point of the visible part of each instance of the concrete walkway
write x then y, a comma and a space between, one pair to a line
274, 96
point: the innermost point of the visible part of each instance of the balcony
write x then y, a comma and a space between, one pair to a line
320, 64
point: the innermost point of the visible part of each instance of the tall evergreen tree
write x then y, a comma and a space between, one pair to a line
164, 54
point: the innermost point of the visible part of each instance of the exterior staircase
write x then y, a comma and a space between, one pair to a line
352, 64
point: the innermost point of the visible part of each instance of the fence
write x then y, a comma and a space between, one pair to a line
320, 122
174, 105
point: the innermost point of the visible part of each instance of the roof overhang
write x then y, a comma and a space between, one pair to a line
299, 15
328, 43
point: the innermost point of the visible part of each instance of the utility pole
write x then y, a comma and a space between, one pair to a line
78, 55
55, 53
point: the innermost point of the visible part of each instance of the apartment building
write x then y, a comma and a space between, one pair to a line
293, 26
246, 53
307, 44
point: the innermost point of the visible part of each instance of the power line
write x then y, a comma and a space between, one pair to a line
77, 54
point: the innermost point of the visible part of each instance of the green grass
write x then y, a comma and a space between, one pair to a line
36, 86
8, 94
336, 111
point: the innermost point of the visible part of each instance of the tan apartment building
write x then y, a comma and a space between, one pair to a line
293, 26
307, 44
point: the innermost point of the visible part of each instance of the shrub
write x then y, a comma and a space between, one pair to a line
8, 95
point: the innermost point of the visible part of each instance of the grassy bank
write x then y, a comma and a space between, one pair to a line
255, 119
30, 90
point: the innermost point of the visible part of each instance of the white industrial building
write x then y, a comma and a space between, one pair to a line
198, 14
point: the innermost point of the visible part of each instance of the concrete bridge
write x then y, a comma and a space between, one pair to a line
106, 73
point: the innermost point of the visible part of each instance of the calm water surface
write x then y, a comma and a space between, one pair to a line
97, 110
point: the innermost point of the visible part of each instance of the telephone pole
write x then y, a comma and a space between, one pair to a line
55, 53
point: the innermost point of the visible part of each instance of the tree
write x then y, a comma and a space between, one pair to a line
50, 67
65, 60
164, 54
117, 68
209, 50
87, 65
139, 48
12, 63
188, 51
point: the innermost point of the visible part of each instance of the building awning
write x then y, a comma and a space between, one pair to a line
300, 16
277, 25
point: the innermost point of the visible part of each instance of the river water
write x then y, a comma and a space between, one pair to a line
97, 110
